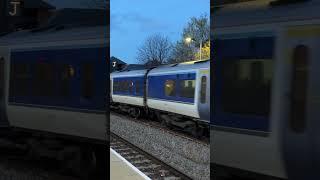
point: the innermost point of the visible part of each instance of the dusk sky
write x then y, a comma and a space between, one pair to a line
134, 20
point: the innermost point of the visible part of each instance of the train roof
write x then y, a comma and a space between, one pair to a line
65, 25
181, 66
128, 73
164, 69
55, 35
231, 16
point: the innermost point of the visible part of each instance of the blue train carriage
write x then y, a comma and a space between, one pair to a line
265, 113
181, 92
127, 92
53, 81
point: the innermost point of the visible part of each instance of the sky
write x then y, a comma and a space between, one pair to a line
132, 21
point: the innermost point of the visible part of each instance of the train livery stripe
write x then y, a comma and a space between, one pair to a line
304, 31
63, 108
205, 71
183, 102
60, 47
244, 35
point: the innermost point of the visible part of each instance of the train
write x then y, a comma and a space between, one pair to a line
53, 91
265, 113
178, 95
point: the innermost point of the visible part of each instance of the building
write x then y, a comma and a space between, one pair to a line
119, 65
17, 14
116, 64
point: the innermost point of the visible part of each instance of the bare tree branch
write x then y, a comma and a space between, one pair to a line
155, 51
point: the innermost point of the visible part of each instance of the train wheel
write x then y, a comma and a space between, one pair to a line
102, 163
135, 112
80, 161
195, 130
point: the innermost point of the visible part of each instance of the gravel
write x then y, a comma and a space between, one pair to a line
17, 167
187, 155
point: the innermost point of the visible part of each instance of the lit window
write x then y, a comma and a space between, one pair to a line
187, 88
170, 88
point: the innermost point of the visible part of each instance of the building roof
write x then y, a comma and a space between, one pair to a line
79, 17
119, 64
117, 60
37, 4
266, 14
53, 35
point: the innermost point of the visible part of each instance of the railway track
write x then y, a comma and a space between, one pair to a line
171, 130
15, 165
149, 165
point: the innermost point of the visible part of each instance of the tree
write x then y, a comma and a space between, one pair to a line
205, 52
198, 29
156, 50
182, 52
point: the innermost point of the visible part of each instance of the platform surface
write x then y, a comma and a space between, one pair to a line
121, 169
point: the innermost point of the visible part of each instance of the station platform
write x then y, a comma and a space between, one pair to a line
121, 169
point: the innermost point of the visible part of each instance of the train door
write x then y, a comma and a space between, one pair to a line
2, 99
93, 73
301, 125
204, 95
3, 121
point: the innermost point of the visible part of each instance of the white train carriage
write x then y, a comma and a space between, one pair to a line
266, 109
54, 81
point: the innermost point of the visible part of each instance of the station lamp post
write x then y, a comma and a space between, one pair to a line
189, 40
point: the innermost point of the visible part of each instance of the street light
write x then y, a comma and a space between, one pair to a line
189, 40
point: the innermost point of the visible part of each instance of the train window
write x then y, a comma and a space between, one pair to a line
115, 86
137, 87
187, 88
20, 77
44, 80
246, 86
1, 76
118, 85
126, 86
299, 88
122, 86
66, 73
170, 88
203, 90
130, 85
87, 81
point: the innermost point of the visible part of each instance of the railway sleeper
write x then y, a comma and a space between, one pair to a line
74, 158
